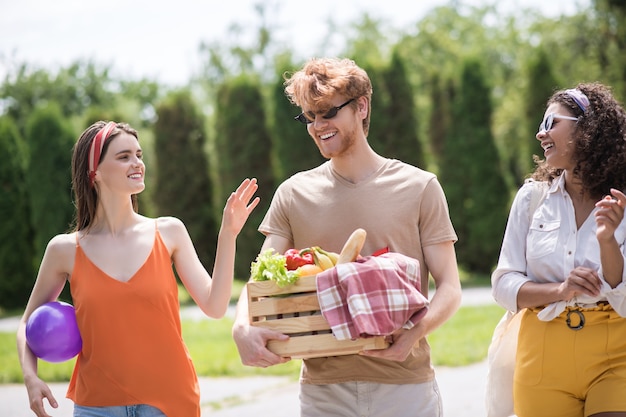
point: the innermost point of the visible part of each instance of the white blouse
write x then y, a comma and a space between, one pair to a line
549, 249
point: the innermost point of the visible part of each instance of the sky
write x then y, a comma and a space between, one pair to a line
160, 40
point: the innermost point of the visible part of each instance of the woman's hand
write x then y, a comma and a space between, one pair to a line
581, 280
37, 391
609, 214
238, 206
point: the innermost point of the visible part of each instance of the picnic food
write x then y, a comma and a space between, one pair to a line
308, 269
295, 259
272, 266
332, 255
294, 310
352, 248
286, 269
321, 258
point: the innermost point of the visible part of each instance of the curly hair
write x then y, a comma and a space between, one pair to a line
600, 141
321, 78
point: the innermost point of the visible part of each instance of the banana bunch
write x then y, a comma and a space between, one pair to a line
322, 258
349, 253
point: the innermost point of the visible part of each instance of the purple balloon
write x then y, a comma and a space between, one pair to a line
52, 332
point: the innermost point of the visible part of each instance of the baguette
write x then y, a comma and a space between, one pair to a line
352, 248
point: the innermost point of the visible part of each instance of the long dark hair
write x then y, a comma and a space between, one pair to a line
86, 195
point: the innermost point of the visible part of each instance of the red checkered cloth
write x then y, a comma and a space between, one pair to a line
374, 296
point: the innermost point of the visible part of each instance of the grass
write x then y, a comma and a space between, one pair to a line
185, 299
462, 340
465, 338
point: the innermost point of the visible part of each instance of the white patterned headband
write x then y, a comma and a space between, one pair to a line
579, 98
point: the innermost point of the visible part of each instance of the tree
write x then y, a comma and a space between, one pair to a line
471, 174
48, 177
584, 47
73, 89
400, 140
183, 187
16, 234
441, 97
541, 84
379, 117
223, 60
244, 149
369, 39
612, 47
294, 149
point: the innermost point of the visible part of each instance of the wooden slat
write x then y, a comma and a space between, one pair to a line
321, 345
266, 300
291, 325
266, 288
281, 305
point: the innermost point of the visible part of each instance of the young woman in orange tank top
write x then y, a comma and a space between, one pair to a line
119, 265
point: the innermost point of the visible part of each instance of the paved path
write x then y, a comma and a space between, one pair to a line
462, 388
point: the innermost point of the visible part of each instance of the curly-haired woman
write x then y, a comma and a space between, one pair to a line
564, 263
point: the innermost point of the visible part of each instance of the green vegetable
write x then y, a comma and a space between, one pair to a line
272, 266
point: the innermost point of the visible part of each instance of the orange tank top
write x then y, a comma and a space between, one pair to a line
133, 351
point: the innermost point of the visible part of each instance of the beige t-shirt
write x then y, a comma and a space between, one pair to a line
401, 207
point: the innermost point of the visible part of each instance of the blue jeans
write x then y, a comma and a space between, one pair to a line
140, 410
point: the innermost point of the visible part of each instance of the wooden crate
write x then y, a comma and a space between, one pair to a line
295, 310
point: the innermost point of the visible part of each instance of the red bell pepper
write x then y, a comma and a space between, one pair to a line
294, 259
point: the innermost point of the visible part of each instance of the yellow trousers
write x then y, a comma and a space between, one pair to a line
574, 365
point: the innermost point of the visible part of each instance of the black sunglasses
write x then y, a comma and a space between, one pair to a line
309, 117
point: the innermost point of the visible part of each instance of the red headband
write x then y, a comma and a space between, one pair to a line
96, 149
